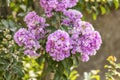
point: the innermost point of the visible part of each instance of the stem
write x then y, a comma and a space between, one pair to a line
44, 72
58, 17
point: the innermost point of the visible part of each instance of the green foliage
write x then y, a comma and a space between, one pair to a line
19, 8
10, 62
32, 70
97, 7
15, 66
113, 69
25, 67
112, 73
63, 70
15, 9
92, 75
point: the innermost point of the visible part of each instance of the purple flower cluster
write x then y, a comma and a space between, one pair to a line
71, 17
82, 26
76, 34
31, 52
36, 24
86, 44
84, 39
58, 45
29, 37
73, 14
24, 38
56, 5
90, 42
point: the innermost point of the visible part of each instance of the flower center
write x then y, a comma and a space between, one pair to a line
62, 38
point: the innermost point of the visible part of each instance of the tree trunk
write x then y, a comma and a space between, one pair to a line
38, 8
3, 9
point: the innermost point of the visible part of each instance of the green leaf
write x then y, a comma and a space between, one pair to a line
73, 75
75, 60
12, 25
116, 3
12, 4
64, 77
88, 8
5, 23
96, 77
61, 68
23, 7
18, 71
70, 62
107, 8
117, 65
64, 62
7, 76
21, 14
103, 10
66, 67
40, 59
110, 3
94, 16
57, 76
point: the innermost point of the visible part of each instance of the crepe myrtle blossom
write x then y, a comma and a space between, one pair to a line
58, 45
86, 44
85, 57
24, 38
81, 37
36, 24
20, 35
72, 3
31, 52
71, 16
80, 28
33, 20
30, 17
83, 26
50, 6
38, 32
90, 42
84, 39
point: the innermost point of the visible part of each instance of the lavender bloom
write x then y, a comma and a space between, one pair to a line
67, 22
36, 24
86, 44
56, 5
73, 14
25, 38
20, 36
82, 26
30, 17
90, 42
84, 39
30, 52
33, 20
62, 5
72, 3
85, 58
72, 17
49, 6
38, 32
58, 45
